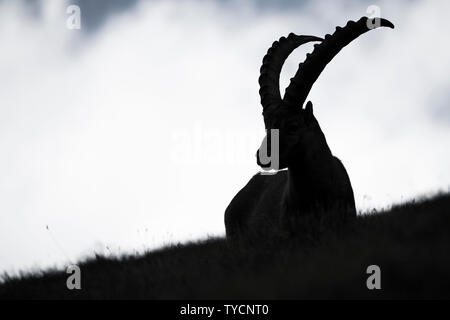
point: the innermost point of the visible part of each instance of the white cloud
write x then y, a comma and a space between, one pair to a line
88, 125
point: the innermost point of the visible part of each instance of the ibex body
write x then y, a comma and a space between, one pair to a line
315, 181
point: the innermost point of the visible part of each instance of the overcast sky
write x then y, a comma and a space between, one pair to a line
138, 129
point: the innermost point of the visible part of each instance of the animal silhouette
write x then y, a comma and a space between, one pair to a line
315, 181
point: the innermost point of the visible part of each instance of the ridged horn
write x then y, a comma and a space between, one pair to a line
323, 53
269, 79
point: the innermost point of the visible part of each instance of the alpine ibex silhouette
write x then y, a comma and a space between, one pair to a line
315, 181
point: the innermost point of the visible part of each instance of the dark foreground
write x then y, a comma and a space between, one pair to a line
410, 244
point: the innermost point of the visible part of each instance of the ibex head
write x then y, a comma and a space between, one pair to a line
298, 129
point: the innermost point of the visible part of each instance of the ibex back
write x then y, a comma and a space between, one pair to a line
315, 182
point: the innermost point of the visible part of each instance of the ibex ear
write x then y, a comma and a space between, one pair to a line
308, 112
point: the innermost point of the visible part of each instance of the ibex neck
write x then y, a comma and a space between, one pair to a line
308, 180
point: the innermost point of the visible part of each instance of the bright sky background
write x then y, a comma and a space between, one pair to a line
138, 129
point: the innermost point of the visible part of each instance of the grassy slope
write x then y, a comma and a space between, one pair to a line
411, 244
